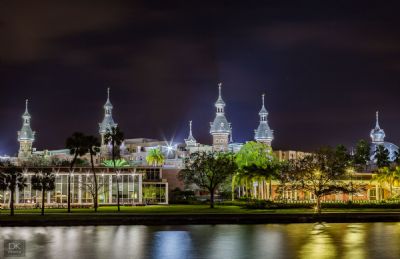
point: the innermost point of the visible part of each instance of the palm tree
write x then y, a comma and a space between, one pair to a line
155, 157
43, 181
389, 176
93, 146
77, 147
118, 163
115, 137
11, 178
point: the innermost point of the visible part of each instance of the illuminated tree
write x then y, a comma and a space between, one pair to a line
387, 175
321, 173
256, 163
118, 163
43, 181
155, 157
11, 178
208, 170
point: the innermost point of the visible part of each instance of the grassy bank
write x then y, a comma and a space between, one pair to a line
191, 214
191, 209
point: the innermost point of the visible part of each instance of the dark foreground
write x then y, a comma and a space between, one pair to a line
192, 219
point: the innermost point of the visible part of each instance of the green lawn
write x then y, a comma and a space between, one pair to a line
185, 209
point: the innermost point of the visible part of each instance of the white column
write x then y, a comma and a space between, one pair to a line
110, 188
16, 196
80, 189
48, 198
166, 193
133, 188
140, 189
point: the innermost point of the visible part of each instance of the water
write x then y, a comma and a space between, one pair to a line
360, 240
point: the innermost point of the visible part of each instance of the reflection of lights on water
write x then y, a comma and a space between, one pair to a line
172, 244
319, 244
354, 239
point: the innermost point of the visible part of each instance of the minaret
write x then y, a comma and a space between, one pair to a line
108, 121
220, 128
377, 134
26, 136
191, 141
263, 133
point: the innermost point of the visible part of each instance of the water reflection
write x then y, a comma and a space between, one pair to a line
171, 244
319, 244
376, 240
354, 241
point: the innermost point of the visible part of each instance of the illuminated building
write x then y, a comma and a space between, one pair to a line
220, 128
378, 139
107, 123
263, 133
26, 136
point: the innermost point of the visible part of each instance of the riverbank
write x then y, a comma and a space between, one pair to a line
191, 214
192, 219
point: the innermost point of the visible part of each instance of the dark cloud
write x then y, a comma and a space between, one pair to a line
325, 68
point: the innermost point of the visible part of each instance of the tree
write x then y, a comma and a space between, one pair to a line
266, 172
387, 175
118, 163
93, 147
208, 170
11, 178
321, 173
397, 157
77, 147
155, 157
43, 181
256, 163
253, 153
382, 156
115, 137
362, 154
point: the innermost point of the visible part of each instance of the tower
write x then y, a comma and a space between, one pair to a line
108, 121
377, 134
220, 128
263, 133
26, 136
191, 141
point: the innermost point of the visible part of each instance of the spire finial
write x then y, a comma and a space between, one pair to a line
377, 119
26, 105
108, 93
263, 95
190, 128
219, 89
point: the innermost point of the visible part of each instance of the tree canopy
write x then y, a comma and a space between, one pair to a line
208, 170
321, 173
381, 156
155, 157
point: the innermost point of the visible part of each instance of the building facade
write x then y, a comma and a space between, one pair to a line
137, 185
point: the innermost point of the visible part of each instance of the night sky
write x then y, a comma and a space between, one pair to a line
325, 69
